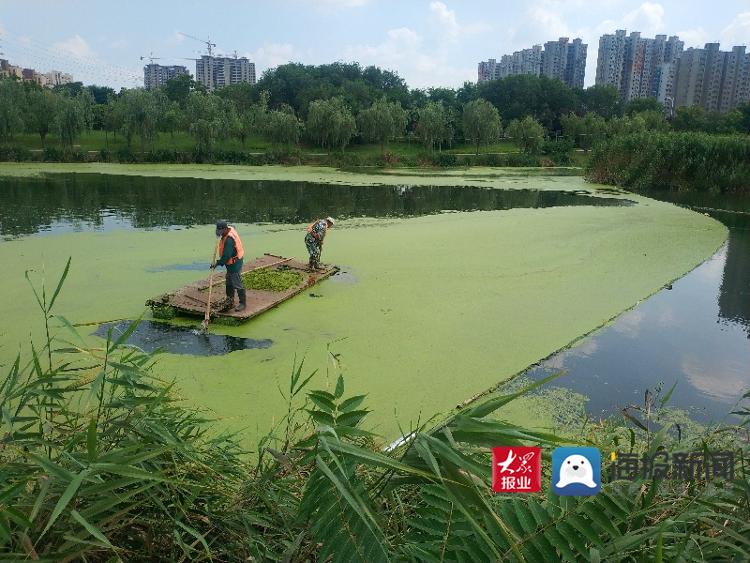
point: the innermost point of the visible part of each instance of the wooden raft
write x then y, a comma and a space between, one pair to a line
191, 299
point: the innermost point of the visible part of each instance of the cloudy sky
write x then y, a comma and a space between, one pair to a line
428, 42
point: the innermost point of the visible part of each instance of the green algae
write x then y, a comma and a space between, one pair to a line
271, 279
446, 306
505, 178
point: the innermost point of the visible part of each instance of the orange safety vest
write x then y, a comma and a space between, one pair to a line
239, 251
310, 229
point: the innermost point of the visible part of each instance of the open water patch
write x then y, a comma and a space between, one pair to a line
151, 336
344, 276
693, 334
73, 202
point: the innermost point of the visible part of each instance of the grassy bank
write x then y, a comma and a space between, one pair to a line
442, 307
181, 141
179, 148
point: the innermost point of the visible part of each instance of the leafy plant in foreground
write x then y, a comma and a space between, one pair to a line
99, 461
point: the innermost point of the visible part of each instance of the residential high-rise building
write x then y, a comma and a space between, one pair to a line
559, 59
56, 78
575, 71
526, 61
555, 58
487, 70
609, 64
635, 65
156, 76
49, 79
217, 72
8, 70
713, 79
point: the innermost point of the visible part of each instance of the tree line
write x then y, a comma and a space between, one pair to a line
334, 105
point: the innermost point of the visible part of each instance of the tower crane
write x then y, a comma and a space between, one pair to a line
209, 44
151, 58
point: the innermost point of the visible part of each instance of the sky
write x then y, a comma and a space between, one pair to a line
428, 42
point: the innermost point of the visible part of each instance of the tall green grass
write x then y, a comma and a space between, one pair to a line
674, 161
100, 462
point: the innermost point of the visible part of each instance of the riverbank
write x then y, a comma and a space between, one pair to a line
435, 310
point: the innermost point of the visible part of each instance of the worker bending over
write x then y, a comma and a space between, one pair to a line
231, 254
316, 233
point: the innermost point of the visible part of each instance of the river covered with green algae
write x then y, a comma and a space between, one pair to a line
434, 308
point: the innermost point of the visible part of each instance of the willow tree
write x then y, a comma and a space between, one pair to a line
207, 116
282, 127
42, 105
382, 122
74, 116
528, 133
482, 124
140, 114
330, 123
11, 108
585, 131
433, 125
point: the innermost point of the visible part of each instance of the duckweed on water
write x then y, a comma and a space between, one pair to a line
512, 287
271, 279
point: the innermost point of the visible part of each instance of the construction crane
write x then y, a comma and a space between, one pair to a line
151, 58
209, 44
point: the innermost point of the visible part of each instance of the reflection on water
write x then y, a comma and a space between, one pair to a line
73, 202
150, 336
695, 334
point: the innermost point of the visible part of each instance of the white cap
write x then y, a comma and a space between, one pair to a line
330, 220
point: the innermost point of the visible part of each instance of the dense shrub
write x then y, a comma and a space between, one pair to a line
446, 159
52, 154
674, 161
346, 159
558, 151
15, 154
126, 155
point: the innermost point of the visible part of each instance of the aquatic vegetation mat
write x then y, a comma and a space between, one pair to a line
484, 294
272, 279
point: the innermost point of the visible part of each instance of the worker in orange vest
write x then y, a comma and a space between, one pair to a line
231, 254
316, 232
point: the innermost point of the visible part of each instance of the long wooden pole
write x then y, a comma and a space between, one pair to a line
207, 317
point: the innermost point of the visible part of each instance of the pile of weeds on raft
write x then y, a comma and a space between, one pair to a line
271, 279
100, 462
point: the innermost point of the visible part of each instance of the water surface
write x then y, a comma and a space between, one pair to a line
58, 203
152, 336
696, 334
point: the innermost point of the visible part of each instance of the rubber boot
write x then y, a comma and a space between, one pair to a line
242, 293
228, 301
311, 265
